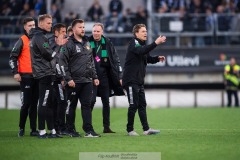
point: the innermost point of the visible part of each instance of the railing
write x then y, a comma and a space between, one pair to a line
217, 28
187, 31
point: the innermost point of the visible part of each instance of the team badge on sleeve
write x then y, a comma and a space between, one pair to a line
45, 45
62, 49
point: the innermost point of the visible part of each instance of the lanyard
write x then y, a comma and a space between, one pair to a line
98, 48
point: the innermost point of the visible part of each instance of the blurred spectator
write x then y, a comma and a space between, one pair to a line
115, 9
179, 6
55, 14
59, 3
6, 10
163, 6
40, 7
197, 21
209, 24
32, 14
25, 11
70, 17
95, 12
223, 20
222, 24
16, 6
6, 26
209, 19
235, 27
31, 3
141, 15
128, 20
213, 4
196, 6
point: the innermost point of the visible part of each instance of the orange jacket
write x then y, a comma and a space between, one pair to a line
24, 60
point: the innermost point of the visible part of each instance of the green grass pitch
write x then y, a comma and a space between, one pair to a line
186, 134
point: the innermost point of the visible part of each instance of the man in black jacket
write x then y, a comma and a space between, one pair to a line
79, 71
20, 63
137, 58
59, 98
43, 70
109, 72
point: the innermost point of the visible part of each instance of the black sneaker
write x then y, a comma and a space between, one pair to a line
21, 133
92, 134
34, 133
54, 136
63, 132
108, 130
44, 136
74, 134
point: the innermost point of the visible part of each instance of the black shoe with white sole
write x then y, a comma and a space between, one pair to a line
21, 133
54, 136
92, 134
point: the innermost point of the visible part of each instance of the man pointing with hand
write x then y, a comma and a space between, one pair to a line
134, 71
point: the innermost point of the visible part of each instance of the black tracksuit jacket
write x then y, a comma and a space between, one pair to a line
76, 61
136, 61
41, 54
55, 61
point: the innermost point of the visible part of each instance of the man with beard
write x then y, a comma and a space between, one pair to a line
79, 72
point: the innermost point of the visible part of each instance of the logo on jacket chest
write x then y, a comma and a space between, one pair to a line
88, 47
78, 49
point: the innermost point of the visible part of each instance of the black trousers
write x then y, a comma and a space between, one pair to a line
82, 92
103, 91
229, 97
60, 104
29, 98
45, 108
137, 101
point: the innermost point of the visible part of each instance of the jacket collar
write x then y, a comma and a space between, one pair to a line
42, 30
140, 41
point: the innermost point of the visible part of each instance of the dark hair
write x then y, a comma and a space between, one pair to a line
43, 17
58, 26
137, 27
76, 21
27, 19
